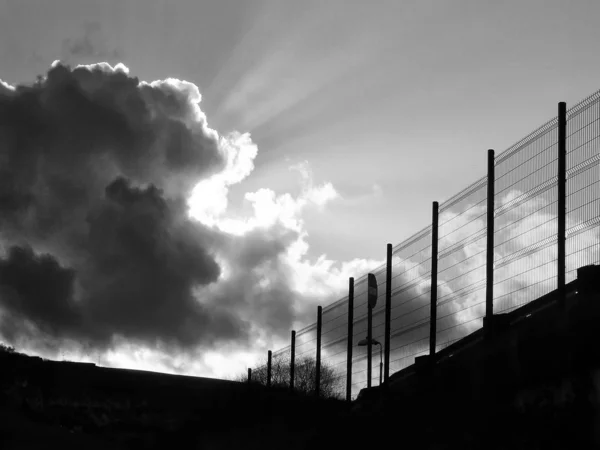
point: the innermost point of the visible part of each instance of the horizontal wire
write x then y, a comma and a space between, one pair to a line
466, 210
460, 324
460, 310
474, 219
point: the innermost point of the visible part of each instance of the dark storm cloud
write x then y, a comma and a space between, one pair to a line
95, 170
145, 261
67, 138
37, 288
258, 286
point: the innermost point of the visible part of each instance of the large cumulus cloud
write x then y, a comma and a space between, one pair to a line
115, 234
96, 168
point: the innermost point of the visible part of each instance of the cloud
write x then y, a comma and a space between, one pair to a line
68, 142
270, 251
317, 195
6, 89
209, 200
38, 288
91, 44
114, 204
96, 169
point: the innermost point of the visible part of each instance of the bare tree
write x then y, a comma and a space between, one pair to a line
331, 386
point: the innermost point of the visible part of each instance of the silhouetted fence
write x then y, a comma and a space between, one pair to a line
531, 186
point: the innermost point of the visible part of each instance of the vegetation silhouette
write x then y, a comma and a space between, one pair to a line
305, 370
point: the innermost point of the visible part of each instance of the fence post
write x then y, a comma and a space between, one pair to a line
249, 375
318, 368
388, 313
434, 264
562, 195
489, 265
269, 357
350, 339
369, 344
292, 360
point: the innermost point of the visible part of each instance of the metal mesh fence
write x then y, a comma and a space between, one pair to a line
583, 185
525, 252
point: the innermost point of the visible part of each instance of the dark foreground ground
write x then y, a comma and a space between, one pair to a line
530, 379
48, 404
45, 404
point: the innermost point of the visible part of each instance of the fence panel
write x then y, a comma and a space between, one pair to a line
525, 251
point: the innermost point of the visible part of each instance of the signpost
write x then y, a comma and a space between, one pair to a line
371, 302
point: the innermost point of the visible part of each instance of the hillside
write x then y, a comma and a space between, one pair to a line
75, 404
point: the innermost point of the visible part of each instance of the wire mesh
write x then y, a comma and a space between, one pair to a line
525, 252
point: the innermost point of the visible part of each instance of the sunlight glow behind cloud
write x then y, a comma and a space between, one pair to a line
208, 203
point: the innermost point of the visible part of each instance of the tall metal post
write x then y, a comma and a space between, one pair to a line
372, 296
388, 312
562, 197
269, 358
380, 365
292, 360
249, 375
369, 344
489, 265
318, 368
350, 339
434, 274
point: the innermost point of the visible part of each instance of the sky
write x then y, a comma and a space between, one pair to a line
324, 131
